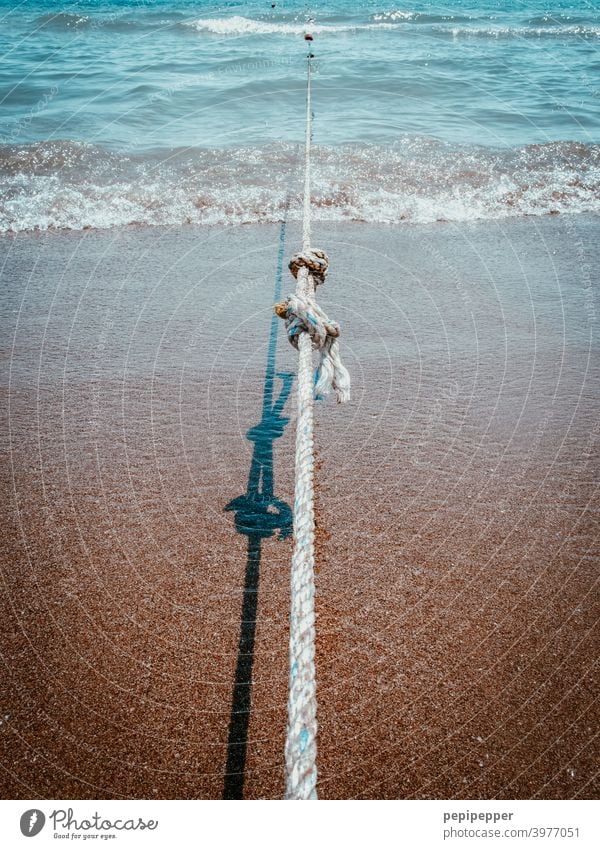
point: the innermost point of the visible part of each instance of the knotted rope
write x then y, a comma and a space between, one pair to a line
308, 327
303, 315
315, 260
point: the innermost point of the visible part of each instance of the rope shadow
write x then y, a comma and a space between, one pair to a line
259, 514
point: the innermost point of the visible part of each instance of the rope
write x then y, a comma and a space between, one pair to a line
307, 327
303, 315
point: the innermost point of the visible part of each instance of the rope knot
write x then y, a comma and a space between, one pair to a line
315, 260
304, 315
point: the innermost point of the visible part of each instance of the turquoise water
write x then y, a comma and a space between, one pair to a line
164, 112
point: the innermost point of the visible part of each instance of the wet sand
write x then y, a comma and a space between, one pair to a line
147, 481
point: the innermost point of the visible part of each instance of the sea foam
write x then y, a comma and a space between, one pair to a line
417, 180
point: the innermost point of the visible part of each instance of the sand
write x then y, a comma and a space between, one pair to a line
457, 604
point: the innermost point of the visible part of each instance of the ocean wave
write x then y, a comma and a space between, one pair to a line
557, 20
238, 25
64, 20
68, 185
581, 31
451, 25
398, 15
118, 21
448, 25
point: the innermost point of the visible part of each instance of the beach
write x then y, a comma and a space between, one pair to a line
150, 404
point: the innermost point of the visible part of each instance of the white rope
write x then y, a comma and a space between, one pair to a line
303, 316
308, 327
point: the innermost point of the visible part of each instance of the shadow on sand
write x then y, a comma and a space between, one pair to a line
259, 514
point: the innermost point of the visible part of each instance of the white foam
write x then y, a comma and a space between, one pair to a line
420, 181
395, 15
238, 25
570, 31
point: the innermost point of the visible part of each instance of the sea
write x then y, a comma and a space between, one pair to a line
169, 113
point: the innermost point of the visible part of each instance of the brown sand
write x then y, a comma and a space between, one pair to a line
457, 607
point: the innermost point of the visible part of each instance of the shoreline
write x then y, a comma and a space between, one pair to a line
294, 220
